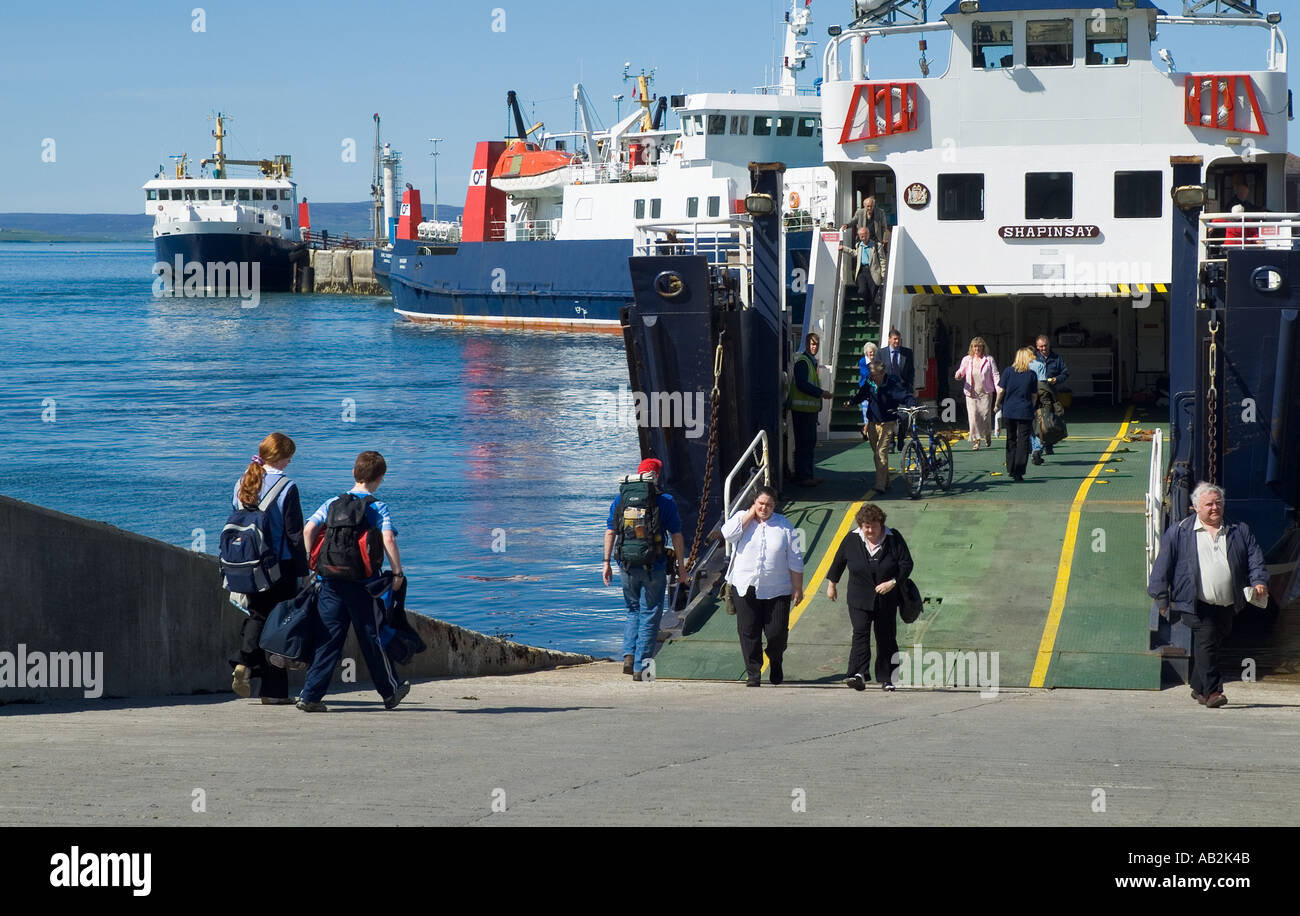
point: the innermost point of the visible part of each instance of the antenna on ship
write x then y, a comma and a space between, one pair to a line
218, 155
641, 92
182, 164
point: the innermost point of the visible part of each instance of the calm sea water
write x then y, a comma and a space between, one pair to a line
158, 404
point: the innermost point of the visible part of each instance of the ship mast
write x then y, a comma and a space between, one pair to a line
643, 81
279, 167
797, 48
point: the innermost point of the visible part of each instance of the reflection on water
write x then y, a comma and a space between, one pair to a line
491, 438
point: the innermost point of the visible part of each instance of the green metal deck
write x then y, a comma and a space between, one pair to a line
990, 561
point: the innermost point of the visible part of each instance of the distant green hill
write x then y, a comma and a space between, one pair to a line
340, 219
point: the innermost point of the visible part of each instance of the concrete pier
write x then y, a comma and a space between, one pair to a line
344, 270
93, 612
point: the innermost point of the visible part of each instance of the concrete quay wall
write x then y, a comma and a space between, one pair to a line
345, 271
159, 616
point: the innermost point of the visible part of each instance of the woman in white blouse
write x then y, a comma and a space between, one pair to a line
766, 576
979, 373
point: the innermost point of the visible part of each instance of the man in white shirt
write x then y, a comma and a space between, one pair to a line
766, 576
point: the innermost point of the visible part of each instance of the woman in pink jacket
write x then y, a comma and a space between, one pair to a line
980, 374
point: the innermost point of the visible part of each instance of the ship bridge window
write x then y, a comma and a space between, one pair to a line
656, 207
151, 194
1107, 40
189, 193
715, 206
807, 127
1049, 195
1137, 195
230, 193
692, 207
785, 125
257, 193
697, 122
284, 194
203, 193
717, 124
638, 209
740, 124
961, 196
762, 126
1049, 43
243, 193
991, 45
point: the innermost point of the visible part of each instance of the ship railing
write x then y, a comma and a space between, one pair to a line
756, 461
1221, 233
1155, 498
607, 173
529, 230
723, 240
323, 240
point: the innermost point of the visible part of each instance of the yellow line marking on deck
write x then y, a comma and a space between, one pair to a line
1053, 625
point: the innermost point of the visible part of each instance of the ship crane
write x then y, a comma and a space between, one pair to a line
279, 167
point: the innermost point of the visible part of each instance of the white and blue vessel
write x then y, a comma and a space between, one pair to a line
548, 225
225, 220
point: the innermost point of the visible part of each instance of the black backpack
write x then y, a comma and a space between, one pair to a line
638, 535
250, 563
351, 548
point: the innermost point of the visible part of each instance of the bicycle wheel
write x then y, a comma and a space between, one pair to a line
913, 467
941, 462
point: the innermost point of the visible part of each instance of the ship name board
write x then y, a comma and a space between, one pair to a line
1049, 232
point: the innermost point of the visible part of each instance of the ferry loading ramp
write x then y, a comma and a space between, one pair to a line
1050, 573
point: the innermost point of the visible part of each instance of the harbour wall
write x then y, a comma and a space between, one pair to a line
150, 619
345, 271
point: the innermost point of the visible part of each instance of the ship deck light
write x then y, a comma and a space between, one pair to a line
759, 204
1189, 196
1273, 18
969, 6
1125, 4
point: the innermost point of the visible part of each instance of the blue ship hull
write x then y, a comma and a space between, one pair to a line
578, 285
381, 267
276, 257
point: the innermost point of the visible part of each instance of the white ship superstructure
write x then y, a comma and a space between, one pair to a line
1031, 182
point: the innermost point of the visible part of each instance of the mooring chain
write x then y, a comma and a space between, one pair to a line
1212, 406
710, 457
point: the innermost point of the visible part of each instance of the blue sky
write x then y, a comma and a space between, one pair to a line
120, 87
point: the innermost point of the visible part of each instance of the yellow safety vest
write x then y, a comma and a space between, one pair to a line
805, 403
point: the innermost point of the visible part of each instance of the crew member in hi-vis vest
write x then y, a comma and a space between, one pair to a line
805, 401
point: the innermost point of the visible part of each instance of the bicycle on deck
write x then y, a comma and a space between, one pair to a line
922, 462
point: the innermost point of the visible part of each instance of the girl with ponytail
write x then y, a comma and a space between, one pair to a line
265, 470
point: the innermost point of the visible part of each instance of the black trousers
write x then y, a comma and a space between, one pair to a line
1210, 626
759, 617
884, 619
275, 681
867, 288
804, 423
1017, 445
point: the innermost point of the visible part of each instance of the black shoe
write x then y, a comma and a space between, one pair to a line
1047, 449
1037, 457
627, 664
856, 681
776, 675
754, 681
307, 706
398, 695
1018, 478
887, 687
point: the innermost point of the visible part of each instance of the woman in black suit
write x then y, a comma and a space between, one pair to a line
1018, 398
878, 561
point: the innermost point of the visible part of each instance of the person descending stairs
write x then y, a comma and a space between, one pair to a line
858, 325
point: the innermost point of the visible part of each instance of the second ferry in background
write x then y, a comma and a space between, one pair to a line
226, 220
548, 227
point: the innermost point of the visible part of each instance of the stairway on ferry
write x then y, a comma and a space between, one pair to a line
859, 324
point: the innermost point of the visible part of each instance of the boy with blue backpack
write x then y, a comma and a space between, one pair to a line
348, 538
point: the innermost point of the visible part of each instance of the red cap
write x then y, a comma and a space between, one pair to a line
650, 466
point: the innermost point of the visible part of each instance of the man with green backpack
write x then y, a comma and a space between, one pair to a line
641, 519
